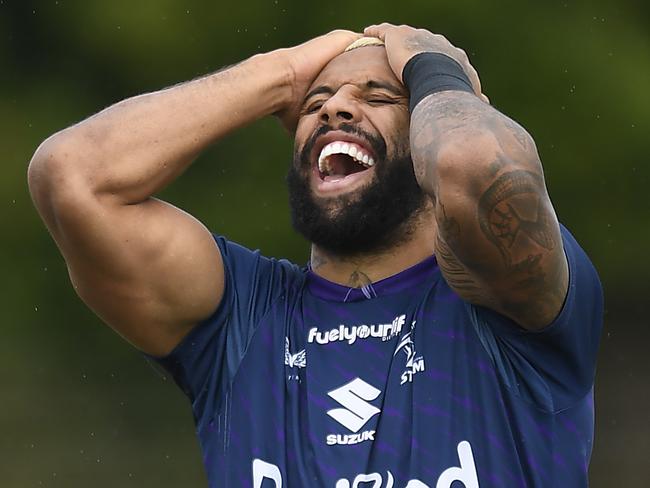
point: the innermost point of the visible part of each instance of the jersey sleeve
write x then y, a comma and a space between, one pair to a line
206, 360
554, 367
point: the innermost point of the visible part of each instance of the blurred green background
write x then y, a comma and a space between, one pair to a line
79, 407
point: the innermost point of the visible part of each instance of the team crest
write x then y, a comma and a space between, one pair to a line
297, 360
414, 363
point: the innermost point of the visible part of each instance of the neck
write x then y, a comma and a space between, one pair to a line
362, 270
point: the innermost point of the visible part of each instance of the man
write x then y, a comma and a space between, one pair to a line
447, 326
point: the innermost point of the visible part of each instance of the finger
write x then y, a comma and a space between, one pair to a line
484, 97
378, 30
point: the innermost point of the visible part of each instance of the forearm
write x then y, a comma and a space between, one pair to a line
498, 240
458, 140
134, 148
473, 161
498, 236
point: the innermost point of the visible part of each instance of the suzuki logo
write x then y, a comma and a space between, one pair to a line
354, 397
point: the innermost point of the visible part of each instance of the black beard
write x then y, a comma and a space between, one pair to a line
378, 217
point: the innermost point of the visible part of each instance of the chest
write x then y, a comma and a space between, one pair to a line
392, 390
402, 374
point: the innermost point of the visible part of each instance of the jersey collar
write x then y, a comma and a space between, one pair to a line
407, 279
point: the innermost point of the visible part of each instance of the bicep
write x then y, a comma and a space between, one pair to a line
149, 270
499, 246
499, 240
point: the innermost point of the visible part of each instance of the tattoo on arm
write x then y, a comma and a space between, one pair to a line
506, 127
427, 43
456, 274
501, 213
513, 216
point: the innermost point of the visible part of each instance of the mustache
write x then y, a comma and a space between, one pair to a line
377, 143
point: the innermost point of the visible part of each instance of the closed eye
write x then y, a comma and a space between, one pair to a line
382, 101
314, 107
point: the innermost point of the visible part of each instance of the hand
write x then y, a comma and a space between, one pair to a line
403, 42
304, 63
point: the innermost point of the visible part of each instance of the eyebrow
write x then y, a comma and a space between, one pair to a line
370, 85
317, 91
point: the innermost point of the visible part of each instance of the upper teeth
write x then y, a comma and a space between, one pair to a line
353, 150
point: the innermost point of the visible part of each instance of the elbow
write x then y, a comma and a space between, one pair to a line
459, 162
468, 162
54, 175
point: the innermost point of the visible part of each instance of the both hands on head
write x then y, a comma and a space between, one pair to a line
307, 60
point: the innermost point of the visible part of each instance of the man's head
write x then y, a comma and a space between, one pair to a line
352, 188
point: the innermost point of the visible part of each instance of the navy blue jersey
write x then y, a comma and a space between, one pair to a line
299, 382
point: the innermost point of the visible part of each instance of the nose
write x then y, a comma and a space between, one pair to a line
340, 107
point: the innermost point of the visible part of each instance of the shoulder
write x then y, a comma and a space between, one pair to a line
248, 271
553, 367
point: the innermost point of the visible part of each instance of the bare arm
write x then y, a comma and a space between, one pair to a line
498, 240
148, 269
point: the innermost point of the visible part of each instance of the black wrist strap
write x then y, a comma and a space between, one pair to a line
428, 73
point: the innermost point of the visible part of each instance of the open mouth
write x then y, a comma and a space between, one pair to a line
339, 159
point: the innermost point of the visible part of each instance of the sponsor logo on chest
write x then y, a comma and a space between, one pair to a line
350, 334
464, 475
355, 398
